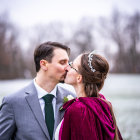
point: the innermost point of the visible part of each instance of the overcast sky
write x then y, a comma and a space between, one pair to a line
26, 13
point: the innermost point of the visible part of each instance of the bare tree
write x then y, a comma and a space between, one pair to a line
133, 31
82, 38
123, 31
10, 52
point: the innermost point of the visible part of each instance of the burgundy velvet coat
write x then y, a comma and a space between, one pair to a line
87, 118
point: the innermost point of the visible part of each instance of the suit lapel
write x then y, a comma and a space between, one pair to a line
58, 114
32, 100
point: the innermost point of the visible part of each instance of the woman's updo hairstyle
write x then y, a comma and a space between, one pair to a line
94, 70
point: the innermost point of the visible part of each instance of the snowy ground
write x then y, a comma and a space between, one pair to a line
122, 90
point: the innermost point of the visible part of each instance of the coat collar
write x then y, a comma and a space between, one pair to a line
59, 114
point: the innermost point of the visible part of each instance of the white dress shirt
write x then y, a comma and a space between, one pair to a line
41, 92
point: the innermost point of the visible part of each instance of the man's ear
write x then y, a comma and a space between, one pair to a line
79, 78
44, 64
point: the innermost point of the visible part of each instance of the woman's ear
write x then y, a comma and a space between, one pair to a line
44, 64
79, 78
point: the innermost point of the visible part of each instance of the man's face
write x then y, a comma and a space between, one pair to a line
57, 67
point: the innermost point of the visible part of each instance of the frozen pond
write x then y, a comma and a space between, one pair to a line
122, 90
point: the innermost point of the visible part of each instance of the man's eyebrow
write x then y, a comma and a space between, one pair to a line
64, 60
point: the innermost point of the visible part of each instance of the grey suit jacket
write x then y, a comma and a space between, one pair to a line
21, 117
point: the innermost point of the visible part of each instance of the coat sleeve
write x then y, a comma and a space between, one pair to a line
7, 122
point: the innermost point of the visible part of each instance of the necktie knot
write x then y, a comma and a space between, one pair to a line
48, 98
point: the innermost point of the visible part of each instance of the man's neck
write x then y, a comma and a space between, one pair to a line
44, 83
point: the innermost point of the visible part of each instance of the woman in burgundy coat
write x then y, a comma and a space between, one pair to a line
90, 115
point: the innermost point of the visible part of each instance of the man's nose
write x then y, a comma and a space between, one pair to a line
67, 68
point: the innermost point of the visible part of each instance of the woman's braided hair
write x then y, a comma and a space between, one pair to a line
94, 75
93, 81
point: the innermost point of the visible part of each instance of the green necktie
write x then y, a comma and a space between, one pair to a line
49, 114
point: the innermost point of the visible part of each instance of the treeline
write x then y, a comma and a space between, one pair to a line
118, 36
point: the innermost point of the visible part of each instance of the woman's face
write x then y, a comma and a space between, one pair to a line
72, 68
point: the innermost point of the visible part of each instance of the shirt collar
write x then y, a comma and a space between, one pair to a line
41, 92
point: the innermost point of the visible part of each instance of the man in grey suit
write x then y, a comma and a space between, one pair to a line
22, 114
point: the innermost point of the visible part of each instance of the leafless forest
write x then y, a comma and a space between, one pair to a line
118, 36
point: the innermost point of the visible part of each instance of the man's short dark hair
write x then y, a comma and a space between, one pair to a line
45, 51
